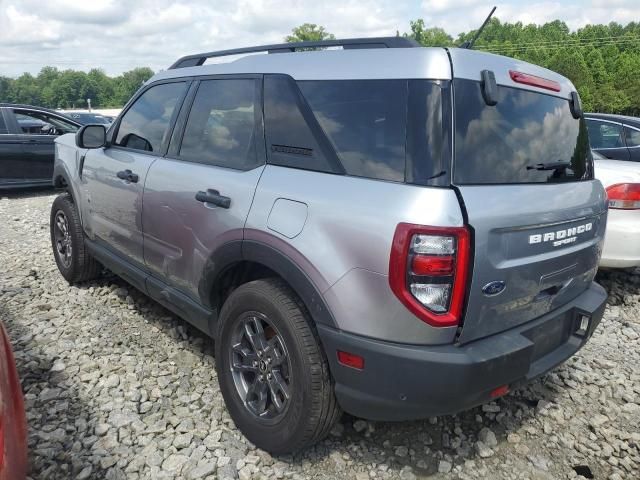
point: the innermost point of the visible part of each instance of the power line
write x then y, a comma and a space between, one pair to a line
521, 48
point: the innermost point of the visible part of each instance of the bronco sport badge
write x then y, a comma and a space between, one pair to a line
561, 237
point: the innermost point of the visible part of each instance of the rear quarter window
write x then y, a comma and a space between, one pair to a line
502, 144
366, 122
392, 130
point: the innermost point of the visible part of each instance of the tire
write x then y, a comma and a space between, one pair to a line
77, 265
311, 409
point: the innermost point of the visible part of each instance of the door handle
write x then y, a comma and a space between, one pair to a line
127, 176
213, 196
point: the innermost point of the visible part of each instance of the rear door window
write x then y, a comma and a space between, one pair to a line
508, 142
221, 129
145, 125
605, 134
632, 136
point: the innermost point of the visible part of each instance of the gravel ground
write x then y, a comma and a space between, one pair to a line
118, 387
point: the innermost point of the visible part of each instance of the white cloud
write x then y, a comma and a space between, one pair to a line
118, 35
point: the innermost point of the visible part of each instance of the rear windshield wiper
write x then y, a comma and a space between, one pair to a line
549, 166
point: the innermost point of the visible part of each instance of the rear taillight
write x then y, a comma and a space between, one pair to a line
428, 271
534, 81
624, 196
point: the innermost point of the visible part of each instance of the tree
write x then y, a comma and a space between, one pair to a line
429, 37
309, 32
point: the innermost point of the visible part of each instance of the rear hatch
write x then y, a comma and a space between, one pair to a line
524, 173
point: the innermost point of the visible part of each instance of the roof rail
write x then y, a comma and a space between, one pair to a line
348, 43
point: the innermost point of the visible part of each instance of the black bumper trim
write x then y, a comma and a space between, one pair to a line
403, 382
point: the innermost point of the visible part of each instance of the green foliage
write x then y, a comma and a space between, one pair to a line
70, 89
429, 37
309, 32
603, 61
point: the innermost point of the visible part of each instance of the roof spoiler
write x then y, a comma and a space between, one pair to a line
198, 59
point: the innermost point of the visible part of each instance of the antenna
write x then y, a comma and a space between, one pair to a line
468, 44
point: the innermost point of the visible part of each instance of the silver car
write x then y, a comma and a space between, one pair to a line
393, 231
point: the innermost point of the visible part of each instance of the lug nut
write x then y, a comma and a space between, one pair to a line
269, 376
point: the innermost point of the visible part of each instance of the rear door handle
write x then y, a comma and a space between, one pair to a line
128, 176
213, 196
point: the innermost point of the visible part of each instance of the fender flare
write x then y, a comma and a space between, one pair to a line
258, 252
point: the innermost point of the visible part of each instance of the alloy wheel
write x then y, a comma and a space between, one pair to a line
261, 367
62, 238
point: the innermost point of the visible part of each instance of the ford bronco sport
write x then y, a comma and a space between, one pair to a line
392, 231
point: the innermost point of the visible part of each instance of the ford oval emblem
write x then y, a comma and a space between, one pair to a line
492, 289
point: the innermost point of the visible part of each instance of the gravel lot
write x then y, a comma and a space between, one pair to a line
118, 387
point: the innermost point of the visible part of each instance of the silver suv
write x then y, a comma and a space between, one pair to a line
392, 231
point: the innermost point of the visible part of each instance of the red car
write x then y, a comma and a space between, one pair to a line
13, 425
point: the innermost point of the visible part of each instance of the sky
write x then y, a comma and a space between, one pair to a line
118, 35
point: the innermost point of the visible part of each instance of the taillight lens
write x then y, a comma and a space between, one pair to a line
428, 271
624, 196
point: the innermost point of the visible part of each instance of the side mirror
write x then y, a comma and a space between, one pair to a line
91, 136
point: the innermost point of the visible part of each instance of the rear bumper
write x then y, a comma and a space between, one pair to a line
403, 382
622, 239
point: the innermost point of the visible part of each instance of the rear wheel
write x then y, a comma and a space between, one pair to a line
67, 240
272, 371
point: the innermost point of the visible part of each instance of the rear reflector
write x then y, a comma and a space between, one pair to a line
532, 80
499, 392
624, 196
351, 360
432, 265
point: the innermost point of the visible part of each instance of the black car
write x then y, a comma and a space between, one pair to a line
614, 136
26, 144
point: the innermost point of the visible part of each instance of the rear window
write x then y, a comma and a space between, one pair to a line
506, 143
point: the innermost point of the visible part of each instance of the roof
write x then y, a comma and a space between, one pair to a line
635, 121
350, 64
366, 62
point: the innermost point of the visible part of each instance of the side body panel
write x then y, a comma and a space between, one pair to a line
38, 154
181, 233
345, 243
113, 206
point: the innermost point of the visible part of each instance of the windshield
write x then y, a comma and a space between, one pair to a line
527, 137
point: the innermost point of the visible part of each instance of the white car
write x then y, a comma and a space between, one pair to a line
621, 179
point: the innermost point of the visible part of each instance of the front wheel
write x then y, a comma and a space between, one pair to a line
272, 371
67, 240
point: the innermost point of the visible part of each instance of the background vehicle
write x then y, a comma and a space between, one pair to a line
614, 136
13, 427
622, 240
86, 118
26, 144
312, 211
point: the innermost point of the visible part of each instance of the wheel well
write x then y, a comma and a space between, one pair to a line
238, 274
60, 182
